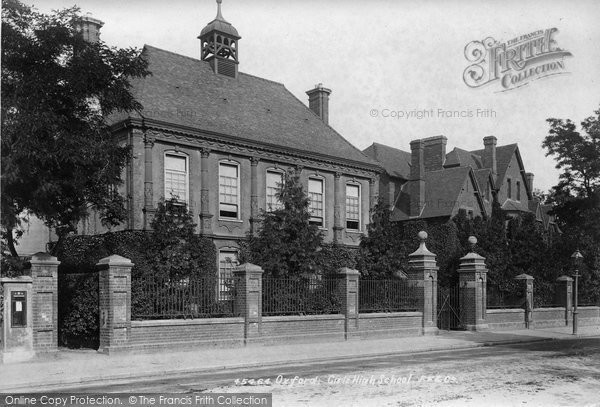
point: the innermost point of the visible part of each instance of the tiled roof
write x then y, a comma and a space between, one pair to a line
519, 206
463, 158
483, 177
185, 91
442, 190
504, 155
396, 162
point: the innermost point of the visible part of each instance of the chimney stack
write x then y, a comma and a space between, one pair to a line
489, 155
318, 101
90, 28
417, 177
529, 178
435, 152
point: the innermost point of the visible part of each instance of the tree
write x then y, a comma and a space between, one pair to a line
576, 154
59, 157
175, 251
576, 198
287, 244
383, 247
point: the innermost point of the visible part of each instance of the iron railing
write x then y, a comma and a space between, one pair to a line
301, 296
498, 297
193, 297
386, 296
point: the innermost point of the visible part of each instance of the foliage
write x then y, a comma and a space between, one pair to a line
576, 200
78, 312
80, 254
173, 249
577, 154
332, 257
59, 156
286, 243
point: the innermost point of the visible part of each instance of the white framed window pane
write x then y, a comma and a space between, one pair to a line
228, 260
176, 177
352, 207
316, 207
175, 163
274, 184
315, 185
228, 191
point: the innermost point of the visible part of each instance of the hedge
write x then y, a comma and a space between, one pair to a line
78, 277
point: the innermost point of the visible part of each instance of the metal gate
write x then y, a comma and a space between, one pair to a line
449, 315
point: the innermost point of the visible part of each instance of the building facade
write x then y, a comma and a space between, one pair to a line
220, 141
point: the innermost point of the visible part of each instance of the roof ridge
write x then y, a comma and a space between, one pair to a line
373, 161
199, 60
393, 148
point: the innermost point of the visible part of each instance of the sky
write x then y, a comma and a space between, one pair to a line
386, 59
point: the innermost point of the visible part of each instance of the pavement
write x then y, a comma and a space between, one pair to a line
75, 368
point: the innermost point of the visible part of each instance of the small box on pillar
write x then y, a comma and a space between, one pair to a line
472, 274
17, 316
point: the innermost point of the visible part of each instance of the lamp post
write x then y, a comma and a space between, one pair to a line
576, 257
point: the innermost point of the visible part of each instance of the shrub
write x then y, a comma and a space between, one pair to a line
173, 252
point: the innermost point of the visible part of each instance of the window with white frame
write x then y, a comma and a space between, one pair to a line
229, 194
518, 190
274, 184
176, 177
352, 206
228, 260
317, 199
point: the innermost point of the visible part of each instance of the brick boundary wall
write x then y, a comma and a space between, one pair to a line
514, 318
229, 332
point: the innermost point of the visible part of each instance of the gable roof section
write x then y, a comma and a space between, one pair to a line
463, 158
503, 157
395, 162
185, 91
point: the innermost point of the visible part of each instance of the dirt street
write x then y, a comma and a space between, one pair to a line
512, 376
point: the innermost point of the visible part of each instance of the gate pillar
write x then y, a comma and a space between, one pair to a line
528, 298
422, 276
472, 275
564, 296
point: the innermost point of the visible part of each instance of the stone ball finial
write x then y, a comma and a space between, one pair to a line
472, 242
422, 235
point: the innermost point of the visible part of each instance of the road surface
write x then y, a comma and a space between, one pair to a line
549, 373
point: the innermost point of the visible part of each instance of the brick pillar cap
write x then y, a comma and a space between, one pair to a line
44, 257
564, 278
115, 260
348, 271
16, 280
524, 277
422, 250
472, 256
248, 267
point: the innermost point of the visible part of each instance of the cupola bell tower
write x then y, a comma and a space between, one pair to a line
219, 45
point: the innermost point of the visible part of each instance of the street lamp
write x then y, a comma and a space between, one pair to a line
576, 258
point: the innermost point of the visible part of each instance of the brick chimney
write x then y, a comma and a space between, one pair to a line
417, 177
318, 101
529, 178
435, 152
90, 28
489, 155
